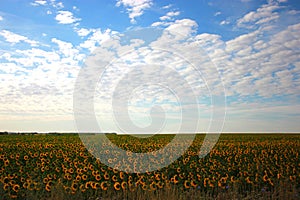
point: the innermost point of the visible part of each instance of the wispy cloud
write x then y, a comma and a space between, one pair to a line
135, 8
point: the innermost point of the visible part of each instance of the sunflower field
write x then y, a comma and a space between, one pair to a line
48, 166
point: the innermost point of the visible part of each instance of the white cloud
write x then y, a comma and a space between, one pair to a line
167, 19
83, 32
95, 39
39, 3
169, 15
49, 12
16, 38
167, 6
69, 54
1, 18
38, 84
57, 5
134, 59
263, 15
184, 26
135, 8
224, 22
75, 8
66, 17
155, 24
217, 13
293, 12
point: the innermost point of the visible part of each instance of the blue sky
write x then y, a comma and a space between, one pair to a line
253, 46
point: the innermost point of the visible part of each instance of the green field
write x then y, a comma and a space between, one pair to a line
250, 166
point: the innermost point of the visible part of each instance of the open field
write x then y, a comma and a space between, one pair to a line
249, 166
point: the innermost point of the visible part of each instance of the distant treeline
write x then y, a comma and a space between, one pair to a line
17, 133
35, 133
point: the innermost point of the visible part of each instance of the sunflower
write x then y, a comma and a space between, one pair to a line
124, 185
104, 185
57, 169
121, 175
160, 184
157, 177
25, 185
84, 177
85, 169
45, 180
114, 178
193, 184
206, 180
74, 186
153, 186
98, 177
78, 178
181, 176
5, 179
50, 177
91, 167
48, 188
82, 188
106, 176
265, 178
71, 170
95, 173
86, 185
248, 180
175, 179
187, 184
5, 187
103, 169
115, 170
144, 187
117, 186
93, 185
279, 176
12, 182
